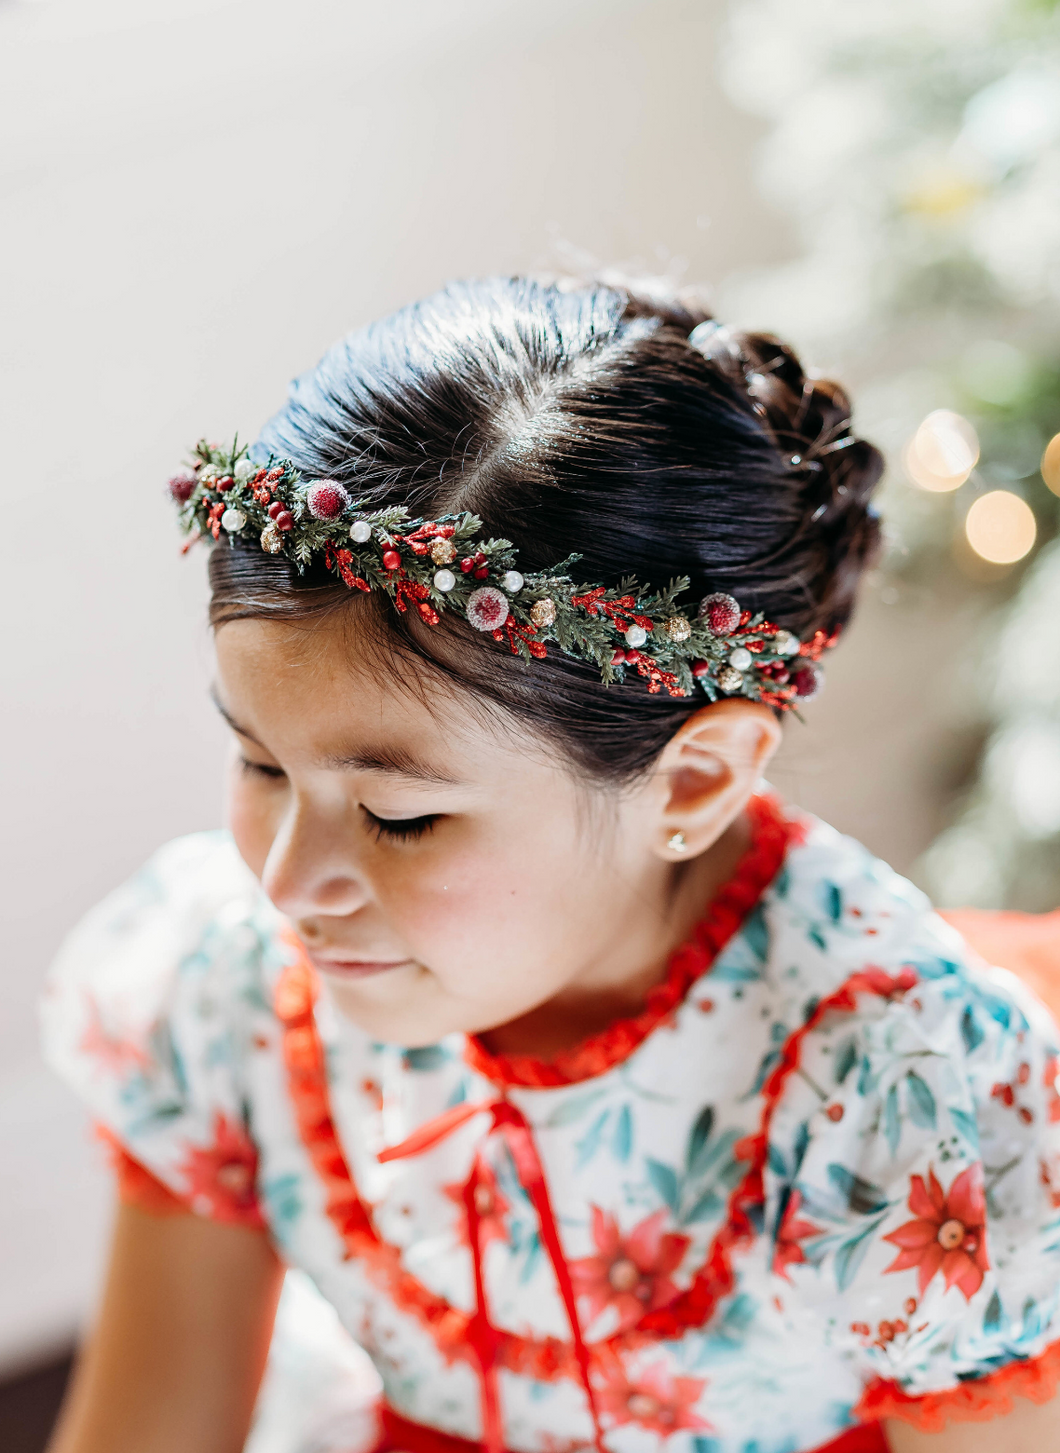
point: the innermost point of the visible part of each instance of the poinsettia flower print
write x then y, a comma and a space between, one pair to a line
949, 1233
793, 1230
652, 1399
630, 1274
491, 1206
221, 1178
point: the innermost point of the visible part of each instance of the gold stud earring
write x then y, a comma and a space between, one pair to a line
677, 843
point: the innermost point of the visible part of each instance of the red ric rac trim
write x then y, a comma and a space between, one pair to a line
772, 834
978, 1401
136, 1185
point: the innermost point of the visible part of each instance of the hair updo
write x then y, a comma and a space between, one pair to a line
588, 419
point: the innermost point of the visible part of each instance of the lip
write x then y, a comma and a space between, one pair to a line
356, 968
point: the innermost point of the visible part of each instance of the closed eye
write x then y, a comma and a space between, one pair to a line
260, 769
403, 828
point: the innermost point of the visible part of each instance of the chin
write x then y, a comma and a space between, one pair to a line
402, 1021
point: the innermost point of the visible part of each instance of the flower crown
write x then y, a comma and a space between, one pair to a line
434, 565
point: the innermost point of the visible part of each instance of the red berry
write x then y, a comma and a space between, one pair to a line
778, 672
224, 484
277, 508
326, 499
721, 613
467, 565
482, 573
285, 520
479, 557
391, 559
701, 668
618, 658
181, 486
807, 680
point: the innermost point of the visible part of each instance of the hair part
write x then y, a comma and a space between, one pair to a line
585, 419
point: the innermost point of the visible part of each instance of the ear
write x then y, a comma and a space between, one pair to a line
708, 772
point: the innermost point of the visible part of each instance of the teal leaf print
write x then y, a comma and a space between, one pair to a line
971, 1032
701, 1133
283, 1200
777, 1164
832, 901
993, 1314
892, 1125
845, 1060
814, 934
708, 1205
664, 1180
967, 1125
922, 1109
756, 934
590, 1141
863, 1197
622, 1140
852, 1253
425, 1057
573, 1108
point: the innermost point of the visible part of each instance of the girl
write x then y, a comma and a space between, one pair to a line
612, 1104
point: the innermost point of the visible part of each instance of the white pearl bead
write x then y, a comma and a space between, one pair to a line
636, 636
244, 469
740, 659
786, 644
361, 531
233, 520
444, 580
512, 581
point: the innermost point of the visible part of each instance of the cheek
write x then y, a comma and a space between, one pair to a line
252, 815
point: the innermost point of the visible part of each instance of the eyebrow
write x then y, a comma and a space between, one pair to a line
392, 760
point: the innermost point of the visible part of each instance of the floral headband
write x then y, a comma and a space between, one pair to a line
435, 565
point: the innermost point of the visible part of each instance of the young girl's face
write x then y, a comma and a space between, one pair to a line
444, 872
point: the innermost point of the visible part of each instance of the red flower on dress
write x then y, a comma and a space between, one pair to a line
631, 1273
949, 1234
792, 1230
491, 1206
221, 1177
112, 1051
652, 1399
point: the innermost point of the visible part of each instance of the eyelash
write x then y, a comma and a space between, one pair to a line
261, 769
404, 829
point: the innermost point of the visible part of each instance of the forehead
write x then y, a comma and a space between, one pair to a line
314, 690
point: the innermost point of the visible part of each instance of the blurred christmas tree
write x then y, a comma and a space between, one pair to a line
918, 147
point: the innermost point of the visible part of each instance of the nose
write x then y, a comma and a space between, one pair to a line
311, 869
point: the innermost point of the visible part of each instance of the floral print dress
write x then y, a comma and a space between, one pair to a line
814, 1184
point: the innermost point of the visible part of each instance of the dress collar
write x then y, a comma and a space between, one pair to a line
772, 833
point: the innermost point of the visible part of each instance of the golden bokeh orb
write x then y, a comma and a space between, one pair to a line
1051, 464
1001, 527
942, 453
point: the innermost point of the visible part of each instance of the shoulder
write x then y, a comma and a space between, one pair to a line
149, 1002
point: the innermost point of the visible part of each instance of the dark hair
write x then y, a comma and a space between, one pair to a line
577, 418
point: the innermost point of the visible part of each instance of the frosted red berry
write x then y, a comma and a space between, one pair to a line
807, 681
721, 614
326, 499
181, 487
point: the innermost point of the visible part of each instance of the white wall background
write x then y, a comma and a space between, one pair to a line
198, 197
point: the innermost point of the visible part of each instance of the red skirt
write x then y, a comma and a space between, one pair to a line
401, 1436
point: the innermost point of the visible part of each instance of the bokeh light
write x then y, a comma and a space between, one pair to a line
1051, 464
1001, 527
942, 453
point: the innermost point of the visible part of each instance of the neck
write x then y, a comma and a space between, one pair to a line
619, 987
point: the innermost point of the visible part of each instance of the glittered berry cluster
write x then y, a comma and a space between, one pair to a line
430, 566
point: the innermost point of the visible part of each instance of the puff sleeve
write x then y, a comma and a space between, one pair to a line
144, 1016
913, 1191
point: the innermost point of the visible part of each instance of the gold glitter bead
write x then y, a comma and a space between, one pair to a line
443, 551
729, 679
678, 629
272, 540
543, 612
